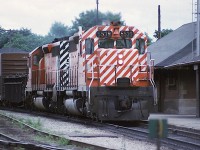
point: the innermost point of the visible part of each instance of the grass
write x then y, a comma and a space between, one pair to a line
38, 125
60, 141
63, 141
35, 124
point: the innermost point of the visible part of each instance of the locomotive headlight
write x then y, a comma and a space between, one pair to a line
120, 62
120, 56
120, 59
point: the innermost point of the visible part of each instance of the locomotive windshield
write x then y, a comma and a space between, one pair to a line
123, 43
106, 43
120, 43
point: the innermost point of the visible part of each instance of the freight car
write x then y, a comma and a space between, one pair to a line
13, 76
101, 73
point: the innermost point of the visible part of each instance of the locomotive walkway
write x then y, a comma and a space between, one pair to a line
181, 121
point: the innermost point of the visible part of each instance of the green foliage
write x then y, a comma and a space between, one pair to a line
112, 17
49, 138
4, 37
63, 141
27, 43
58, 29
88, 19
23, 39
149, 40
164, 32
24, 32
35, 124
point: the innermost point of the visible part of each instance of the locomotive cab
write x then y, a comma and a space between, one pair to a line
120, 84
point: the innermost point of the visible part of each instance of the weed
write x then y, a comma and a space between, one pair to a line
60, 141
63, 141
20, 124
21, 120
36, 124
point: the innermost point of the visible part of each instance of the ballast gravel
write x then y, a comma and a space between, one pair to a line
86, 134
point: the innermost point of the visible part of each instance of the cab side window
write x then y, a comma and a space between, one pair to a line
72, 46
89, 46
36, 60
36, 57
140, 45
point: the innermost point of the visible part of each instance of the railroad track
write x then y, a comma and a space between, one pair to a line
178, 138
4, 137
8, 142
182, 137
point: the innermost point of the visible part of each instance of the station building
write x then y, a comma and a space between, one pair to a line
177, 71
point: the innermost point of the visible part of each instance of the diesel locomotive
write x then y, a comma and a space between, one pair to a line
104, 73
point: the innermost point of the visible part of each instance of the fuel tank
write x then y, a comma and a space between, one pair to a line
73, 106
40, 103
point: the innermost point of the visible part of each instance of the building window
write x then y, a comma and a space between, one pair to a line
172, 81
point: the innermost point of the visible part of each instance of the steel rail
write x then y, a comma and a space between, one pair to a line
182, 131
178, 141
9, 141
8, 138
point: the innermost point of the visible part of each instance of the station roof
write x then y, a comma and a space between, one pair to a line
176, 48
12, 50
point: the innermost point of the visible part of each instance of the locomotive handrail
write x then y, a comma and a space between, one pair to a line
49, 79
92, 68
123, 66
151, 74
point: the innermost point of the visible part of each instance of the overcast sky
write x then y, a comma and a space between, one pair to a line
38, 15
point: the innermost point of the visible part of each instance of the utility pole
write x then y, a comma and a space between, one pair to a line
97, 19
159, 23
198, 26
196, 67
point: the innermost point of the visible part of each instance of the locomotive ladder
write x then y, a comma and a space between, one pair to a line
91, 70
151, 66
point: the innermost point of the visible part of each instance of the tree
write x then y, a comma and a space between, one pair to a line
3, 37
58, 29
88, 19
22, 39
24, 31
164, 32
149, 40
26, 43
112, 17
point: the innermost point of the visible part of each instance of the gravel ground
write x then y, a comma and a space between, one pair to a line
86, 134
